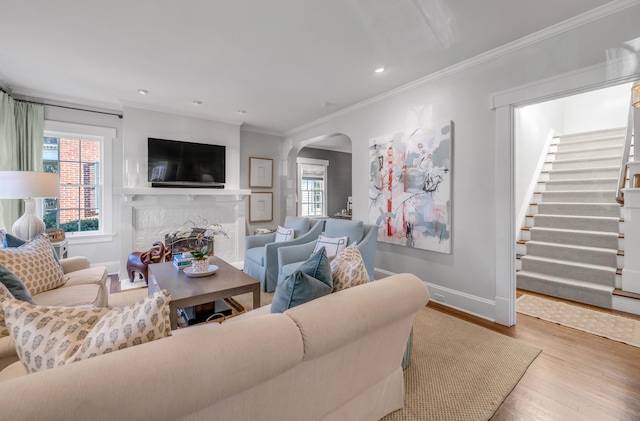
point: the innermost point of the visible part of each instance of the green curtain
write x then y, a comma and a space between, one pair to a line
21, 140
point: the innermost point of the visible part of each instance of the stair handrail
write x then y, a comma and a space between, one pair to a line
622, 176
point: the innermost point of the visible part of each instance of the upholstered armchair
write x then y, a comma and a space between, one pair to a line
289, 258
261, 251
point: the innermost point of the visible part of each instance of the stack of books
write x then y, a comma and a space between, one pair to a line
182, 260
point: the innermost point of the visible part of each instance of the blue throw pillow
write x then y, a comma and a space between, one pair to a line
15, 286
310, 281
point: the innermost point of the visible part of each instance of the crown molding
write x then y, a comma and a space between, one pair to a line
51, 99
551, 31
258, 130
169, 110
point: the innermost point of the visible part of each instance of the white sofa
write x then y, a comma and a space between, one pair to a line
335, 358
84, 285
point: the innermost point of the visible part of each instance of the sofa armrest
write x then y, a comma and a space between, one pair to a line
72, 264
252, 241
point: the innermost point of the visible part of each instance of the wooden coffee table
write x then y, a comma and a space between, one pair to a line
186, 291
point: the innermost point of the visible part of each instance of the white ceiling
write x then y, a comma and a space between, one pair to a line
286, 62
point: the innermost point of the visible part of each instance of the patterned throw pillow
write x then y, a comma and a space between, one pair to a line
333, 246
34, 264
348, 269
4, 295
48, 337
284, 234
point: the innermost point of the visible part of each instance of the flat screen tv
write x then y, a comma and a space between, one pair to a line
185, 164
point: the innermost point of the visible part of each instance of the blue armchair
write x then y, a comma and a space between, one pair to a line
289, 258
261, 251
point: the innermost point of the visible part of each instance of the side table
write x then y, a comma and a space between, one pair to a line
60, 247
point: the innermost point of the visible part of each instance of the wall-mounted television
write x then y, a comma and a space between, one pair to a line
185, 164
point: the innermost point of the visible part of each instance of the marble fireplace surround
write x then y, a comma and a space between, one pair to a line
147, 213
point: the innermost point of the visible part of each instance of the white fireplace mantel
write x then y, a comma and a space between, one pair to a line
130, 193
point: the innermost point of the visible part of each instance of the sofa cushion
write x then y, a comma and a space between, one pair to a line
354, 229
15, 286
348, 269
48, 337
332, 245
284, 234
299, 224
311, 280
93, 275
78, 295
34, 263
13, 371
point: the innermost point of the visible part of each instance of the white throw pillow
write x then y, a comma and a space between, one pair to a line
332, 246
284, 234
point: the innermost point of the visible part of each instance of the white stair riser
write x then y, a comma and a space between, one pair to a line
569, 292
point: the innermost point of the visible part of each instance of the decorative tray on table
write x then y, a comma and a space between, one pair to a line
189, 271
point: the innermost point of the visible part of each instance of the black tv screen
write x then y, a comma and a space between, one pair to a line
185, 164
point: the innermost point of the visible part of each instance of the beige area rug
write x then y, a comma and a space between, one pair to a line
459, 371
610, 326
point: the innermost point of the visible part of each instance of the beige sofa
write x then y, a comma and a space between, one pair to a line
85, 285
335, 358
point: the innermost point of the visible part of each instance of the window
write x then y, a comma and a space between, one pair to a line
312, 187
77, 153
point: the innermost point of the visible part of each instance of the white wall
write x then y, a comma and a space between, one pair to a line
467, 277
535, 125
259, 145
140, 124
597, 110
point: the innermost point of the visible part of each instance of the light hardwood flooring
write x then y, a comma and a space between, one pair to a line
577, 376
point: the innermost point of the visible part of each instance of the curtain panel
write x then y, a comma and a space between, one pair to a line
21, 141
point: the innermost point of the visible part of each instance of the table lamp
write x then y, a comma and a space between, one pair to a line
28, 185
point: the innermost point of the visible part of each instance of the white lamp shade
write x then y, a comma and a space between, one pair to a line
28, 185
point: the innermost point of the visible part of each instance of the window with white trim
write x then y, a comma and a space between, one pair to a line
312, 187
78, 153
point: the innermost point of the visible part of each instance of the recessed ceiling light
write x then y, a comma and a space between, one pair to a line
242, 111
143, 91
380, 70
197, 102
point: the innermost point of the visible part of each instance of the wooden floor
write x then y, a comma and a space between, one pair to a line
577, 376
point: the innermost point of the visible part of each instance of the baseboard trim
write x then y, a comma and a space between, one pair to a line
471, 304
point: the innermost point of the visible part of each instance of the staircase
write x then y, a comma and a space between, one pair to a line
572, 244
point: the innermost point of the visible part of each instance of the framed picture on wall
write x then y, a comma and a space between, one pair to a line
261, 207
260, 173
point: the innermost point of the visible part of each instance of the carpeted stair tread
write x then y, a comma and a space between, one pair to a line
584, 173
585, 272
580, 196
576, 222
575, 237
569, 252
578, 209
605, 183
581, 163
570, 289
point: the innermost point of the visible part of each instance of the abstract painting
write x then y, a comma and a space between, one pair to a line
410, 187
